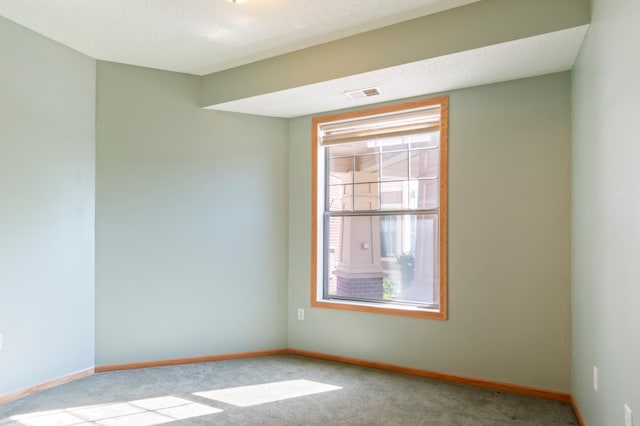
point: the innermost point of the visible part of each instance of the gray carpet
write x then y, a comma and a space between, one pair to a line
294, 391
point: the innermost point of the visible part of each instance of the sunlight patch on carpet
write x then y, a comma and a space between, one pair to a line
141, 412
245, 396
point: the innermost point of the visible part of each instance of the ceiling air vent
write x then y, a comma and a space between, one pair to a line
362, 93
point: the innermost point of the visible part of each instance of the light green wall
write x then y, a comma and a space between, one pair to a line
202, 222
509, 246
191, 222
484, 23
606, 215
47, 135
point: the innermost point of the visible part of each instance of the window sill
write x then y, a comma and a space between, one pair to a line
374, 308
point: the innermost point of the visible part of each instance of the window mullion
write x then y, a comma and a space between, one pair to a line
382, 212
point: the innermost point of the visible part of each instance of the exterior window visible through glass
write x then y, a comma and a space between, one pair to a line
388, 236
381, 194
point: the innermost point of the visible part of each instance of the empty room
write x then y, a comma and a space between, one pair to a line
292, 212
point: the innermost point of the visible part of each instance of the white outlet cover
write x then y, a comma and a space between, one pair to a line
628, 416
595, 378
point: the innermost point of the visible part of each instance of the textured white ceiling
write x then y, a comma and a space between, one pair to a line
543, 54
203, 36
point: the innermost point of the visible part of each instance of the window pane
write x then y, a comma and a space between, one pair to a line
341, 168
414, 272
388, 236
365, 147
383, 258
354, 268
394, 195
344, 150
425, 140
334, 239
365, 196
340, 198
395, 166
427, 193
400, 143
424, 163
367, 168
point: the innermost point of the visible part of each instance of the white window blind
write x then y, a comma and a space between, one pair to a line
406, 123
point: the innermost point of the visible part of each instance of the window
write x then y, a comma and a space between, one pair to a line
379, 237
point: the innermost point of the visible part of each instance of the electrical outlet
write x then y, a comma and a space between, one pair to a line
628, 416
300, 314
595, 378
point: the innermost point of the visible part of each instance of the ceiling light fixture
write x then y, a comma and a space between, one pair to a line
236, 1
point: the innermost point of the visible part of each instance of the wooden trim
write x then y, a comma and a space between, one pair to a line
388, 310
189, 360
314, 210
442, 313
46, 385
444, 212
452, 378
380, 110
576, 411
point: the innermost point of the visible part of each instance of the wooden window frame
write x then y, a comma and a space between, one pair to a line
317, 300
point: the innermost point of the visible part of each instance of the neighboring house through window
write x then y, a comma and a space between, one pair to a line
380, 210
